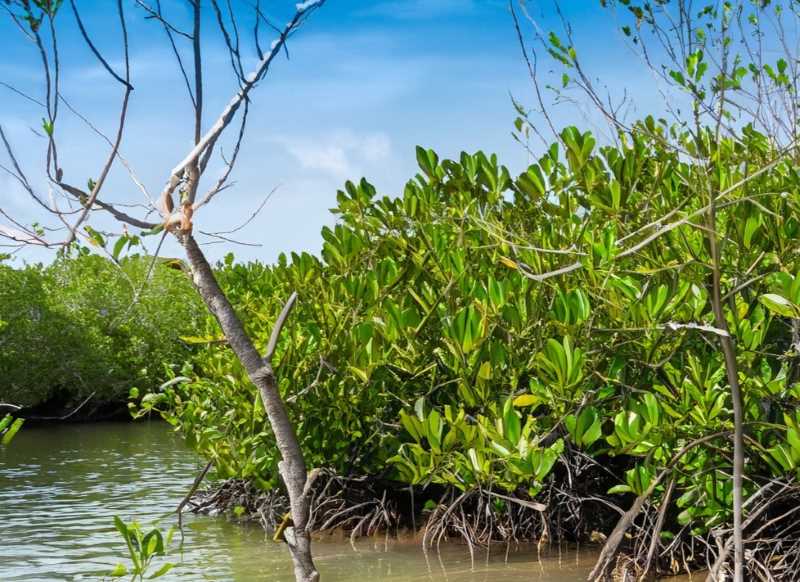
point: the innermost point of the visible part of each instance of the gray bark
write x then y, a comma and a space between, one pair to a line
732, 372
292, 468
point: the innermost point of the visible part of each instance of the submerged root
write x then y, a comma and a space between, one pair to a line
361, 507
771, 536
242, 499
771, 541
366, 506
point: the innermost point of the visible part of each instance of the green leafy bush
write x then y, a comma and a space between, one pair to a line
86, 325
37, 340
567, 307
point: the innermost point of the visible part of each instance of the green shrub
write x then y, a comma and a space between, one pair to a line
86, 325
38, 341
475, 289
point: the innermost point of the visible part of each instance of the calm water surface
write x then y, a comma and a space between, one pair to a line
60, 487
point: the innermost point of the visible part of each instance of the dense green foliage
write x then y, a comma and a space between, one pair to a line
73, 328
426, 341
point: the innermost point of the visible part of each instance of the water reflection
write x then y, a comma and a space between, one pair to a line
61, 486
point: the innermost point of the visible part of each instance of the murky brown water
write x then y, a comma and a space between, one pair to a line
61, 486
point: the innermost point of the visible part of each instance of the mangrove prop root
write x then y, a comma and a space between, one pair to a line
609, 551
655, 537
367, 506
482, 519
192, 490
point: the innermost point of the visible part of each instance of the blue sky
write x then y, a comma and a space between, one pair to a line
365, 84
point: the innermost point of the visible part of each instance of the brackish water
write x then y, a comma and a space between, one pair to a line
60, 487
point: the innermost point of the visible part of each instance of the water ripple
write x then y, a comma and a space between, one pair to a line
61, 486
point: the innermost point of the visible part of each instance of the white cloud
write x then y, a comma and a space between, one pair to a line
328, 158
341, 155
375, 147
419, 9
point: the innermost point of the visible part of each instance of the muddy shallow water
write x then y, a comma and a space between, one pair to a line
60, 487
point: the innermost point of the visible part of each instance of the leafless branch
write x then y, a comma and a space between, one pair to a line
249, 219
93, 195
278, 327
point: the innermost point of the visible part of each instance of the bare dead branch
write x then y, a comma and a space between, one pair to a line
278, 327
249, 219
192, 490
98, 55
122, 116
227, 115
221, 182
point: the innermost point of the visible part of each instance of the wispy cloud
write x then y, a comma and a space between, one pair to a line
419, 9
341, 155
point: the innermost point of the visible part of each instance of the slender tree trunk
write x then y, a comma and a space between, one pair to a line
794, 373
292, 467
732, 371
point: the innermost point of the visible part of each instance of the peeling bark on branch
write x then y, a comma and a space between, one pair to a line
208, 141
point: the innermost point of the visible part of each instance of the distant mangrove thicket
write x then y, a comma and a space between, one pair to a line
84, 325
